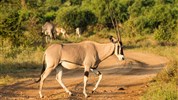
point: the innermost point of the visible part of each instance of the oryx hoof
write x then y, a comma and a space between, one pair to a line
86, 96
92, 91
41, 96
71, 94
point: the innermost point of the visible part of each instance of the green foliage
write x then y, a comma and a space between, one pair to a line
75, 2
10, 24
21, 23
20, 28
162, 91
106, 8
139, 6
20, 59
73, 17
164, 85
165, 23
153, 17
162, 34
50, 16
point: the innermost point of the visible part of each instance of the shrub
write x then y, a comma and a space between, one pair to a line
162, 34
72, 17
161, 91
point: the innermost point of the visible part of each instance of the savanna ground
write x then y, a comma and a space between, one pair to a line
122, 80
148, 29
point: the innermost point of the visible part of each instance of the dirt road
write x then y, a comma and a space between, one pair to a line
122, 80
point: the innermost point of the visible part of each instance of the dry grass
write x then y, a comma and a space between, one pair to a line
14, 61
6, 80
165, 85
25, 59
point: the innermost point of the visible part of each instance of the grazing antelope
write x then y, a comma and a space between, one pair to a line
87, 54
78, 31
48, 30
61, 30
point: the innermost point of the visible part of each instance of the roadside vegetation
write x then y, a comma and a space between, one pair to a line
145, 25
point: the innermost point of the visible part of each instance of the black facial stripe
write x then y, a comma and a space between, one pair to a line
86, 73
120, 48
120, 43
121, 52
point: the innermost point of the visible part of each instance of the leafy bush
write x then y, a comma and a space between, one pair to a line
153, 17
72, 17
75, 2
162, 91
106, 8
21, 23
162, 34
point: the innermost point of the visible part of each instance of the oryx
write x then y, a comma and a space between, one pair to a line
61, 30
86, 54
78, 31
49, 30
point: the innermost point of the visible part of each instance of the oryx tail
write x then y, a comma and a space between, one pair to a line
43, 68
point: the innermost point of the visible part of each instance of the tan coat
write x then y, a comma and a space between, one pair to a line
86, 53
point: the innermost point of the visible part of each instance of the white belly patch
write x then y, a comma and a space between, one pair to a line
69, 65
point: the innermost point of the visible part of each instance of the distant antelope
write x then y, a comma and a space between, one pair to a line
87, 55
60, 30
48, 30
78, 31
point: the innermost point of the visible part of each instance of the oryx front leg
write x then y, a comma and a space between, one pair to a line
46, 39
59, 79
43, 77
86, 74
100, 77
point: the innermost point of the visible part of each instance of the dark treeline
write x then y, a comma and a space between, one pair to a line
21, 20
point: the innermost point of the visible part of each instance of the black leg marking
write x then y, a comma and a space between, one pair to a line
86, 73
94, 70
99, 73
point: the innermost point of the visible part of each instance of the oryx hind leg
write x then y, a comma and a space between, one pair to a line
59, 79
86, 74
43, 77
100, 77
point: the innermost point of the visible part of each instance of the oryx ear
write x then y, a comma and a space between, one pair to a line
112, 39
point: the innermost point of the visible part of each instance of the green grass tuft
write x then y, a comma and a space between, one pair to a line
161, 91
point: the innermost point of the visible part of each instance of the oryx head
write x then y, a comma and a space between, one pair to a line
118, 48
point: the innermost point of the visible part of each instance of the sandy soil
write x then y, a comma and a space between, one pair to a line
122, 80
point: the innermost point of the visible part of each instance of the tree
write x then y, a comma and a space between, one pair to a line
158, 17
73, 17
10, 23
